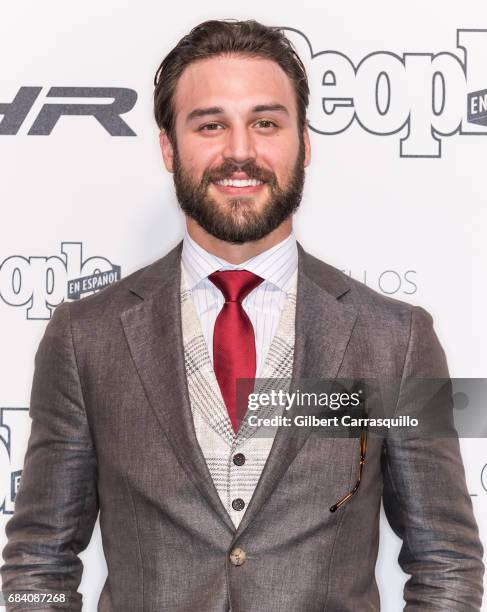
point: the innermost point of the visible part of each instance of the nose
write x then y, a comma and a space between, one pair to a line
239, 145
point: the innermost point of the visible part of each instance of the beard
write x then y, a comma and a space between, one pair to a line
236, 220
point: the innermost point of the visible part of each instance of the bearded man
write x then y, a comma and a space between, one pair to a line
136, 415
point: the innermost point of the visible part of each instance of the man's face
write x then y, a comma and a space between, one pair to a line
236, 120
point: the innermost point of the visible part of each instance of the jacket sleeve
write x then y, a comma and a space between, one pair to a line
425, 494
56, 504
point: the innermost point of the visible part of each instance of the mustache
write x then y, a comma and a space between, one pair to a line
226, 170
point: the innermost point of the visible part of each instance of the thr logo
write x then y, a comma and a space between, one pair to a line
108, 115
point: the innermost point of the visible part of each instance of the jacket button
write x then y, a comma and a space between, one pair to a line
239, 459
238, 556
238, 504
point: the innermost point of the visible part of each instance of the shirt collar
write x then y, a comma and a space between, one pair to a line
276, 265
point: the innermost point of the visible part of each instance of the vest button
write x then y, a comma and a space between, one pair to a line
237, 556
238, 504
239, 459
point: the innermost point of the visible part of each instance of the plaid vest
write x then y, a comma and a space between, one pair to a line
213, 428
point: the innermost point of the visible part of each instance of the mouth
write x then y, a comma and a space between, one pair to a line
238, 186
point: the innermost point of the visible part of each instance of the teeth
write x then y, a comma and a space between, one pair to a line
239, 182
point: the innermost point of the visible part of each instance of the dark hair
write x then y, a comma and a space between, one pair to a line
223, 37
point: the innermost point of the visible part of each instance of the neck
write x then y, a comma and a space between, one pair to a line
237, 253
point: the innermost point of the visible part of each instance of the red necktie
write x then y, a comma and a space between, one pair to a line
233, 340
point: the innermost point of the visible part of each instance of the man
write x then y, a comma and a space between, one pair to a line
134, 406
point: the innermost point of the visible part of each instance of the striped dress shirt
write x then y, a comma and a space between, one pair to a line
277, 266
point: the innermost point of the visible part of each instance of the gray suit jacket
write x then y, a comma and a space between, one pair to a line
112, 431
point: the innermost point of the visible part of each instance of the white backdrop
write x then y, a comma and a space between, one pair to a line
395, 194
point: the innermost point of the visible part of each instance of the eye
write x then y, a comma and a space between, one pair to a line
211, 127
268, 122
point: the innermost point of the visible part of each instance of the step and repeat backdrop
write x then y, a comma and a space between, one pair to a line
395, 194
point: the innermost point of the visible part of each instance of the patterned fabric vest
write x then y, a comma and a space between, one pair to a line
234, 479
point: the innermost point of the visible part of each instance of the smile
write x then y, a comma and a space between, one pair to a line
239, 182
236, 186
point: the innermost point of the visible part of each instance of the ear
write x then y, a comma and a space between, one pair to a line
167, 151
307, 146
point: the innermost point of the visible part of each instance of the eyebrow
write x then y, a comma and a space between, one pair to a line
218, 110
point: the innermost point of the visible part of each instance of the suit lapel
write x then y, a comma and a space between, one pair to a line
324, 325
153, 331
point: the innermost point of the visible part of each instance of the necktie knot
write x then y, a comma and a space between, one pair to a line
235, 284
